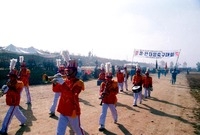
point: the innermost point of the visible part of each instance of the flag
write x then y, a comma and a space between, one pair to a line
156, 64
177, 53
156, 53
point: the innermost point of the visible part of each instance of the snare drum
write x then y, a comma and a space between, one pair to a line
136, 89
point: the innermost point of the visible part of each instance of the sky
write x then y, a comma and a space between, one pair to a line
108, 28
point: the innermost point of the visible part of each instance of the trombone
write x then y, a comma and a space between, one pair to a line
47, 79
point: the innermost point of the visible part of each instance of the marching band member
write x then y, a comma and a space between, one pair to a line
24, 76
137, 80
68, 106
126, 75
61, 70
102, 74
120, 80
12, 90
108, 92
147, 85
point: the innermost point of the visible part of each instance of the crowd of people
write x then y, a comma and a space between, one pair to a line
67, 87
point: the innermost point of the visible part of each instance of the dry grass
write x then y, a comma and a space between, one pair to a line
194, 83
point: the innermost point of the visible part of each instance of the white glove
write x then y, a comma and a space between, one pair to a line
4, 88
58, 75
58, 80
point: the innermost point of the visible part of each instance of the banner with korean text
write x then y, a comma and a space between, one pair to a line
156, 54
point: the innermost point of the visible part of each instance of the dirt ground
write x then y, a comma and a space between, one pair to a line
169, 111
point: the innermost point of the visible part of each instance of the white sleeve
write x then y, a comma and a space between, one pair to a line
60, 80
4, 88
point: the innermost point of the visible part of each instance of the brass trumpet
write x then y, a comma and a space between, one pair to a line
47, 79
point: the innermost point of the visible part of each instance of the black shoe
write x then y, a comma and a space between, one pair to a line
3, 133
22, 125
101, 128
52, 114
28, 103
134, 105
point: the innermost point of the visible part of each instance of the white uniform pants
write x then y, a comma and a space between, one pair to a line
126, 84
147, 92
28, 95
13, 110
64, 121
55, 101
120, 86
136, 96
104, 113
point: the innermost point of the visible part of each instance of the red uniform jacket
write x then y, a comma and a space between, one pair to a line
13, 94
137, 80
102, 76
147, 82
24, 76
120, 77
69, 99
110, 90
